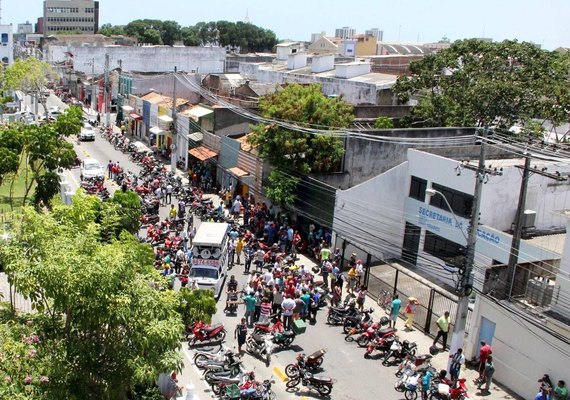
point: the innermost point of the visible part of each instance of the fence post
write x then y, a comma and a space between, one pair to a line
367, 271
427, 325
396, 282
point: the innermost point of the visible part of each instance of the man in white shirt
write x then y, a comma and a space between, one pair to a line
288, 306
168, 197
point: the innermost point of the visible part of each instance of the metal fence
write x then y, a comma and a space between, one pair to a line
433, 301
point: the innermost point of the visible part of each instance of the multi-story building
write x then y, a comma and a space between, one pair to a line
25, 28
71, 16
7, 45
345, 32
375, 32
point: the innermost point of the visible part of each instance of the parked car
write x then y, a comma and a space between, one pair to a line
90, 168
87, 133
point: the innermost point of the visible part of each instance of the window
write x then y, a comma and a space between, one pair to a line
461, 203
447, 250
418, 188
4, 38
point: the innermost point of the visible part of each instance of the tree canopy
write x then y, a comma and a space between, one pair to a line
103, 324
477, 83
234, 35
296, 151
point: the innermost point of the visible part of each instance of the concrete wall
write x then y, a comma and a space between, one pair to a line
365, 159
560, 305
227, 122
500, 193
164, 85
352, 92
367, 111
522, 353
370, 215
203, 60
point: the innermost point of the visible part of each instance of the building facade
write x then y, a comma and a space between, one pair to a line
7, 47
375, 32
70, 16
345, 32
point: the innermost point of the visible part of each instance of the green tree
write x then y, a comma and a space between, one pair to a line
129, 210
107, 327
294, 152
110, 30
196, 305
383, 123
477, 83
189, 36
281, 188
145, 30
28, 75
170, 32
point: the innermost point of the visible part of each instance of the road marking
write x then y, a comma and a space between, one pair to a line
280, 374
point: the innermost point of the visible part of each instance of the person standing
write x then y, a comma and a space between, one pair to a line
484, 352
240, 334
488, 372
360, 297
168, 197
249, 301
560, 392
395, 310
410, 312
326, 268
288, 306
109, 169
426, 383
314, 306
239, 249
265, 311
443, 329
248, 256
457, 360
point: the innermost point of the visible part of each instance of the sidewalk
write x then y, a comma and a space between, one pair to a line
423, 341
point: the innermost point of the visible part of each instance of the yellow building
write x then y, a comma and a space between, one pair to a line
366, 45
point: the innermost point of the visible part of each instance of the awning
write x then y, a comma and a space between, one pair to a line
202, 153
156, 130
165, 118
238, 172
128, 109
196, 137
136, 116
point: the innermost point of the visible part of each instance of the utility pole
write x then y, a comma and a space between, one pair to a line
173, 146
106, 94
458, 337
517, 231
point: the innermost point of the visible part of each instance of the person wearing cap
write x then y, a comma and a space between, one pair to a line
410, 312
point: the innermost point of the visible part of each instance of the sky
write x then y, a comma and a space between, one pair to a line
544, 22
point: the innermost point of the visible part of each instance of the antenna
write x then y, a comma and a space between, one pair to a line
246, 20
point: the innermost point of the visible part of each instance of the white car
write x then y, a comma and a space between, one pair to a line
87, 133
90, 168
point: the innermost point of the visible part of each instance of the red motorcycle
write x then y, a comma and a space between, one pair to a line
373, 332
200, 332
303, 363
383, 345
262, 328
455, 392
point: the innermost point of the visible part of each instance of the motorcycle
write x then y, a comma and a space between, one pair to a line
221, 384
260, 346
256, 391
411, 363
399, 350
312, 362
444, 391
336, 315
261, 327
409, 386
284, 339
353, 321
199, 332
380, 344
323, 385
373, 332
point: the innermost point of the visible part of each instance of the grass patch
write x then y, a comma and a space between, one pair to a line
18, 191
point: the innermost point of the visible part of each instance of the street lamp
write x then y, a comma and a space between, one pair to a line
458, 336
432, 192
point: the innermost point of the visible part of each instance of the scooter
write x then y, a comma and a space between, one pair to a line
312, 362
260, 346
323, 385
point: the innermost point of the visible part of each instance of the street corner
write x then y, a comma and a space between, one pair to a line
280, 374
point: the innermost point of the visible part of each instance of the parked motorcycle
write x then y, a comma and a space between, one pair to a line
303, 362
321, 384
379, 344
336, 315
373, 332
260, 346
199, 332
409, 386
443, 391
353, 321
411, 363
284, 339
265, 327
398, 351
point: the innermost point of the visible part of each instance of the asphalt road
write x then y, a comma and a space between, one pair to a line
356, 377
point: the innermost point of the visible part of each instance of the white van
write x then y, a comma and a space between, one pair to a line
210, 258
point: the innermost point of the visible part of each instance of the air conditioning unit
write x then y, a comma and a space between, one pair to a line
529, 219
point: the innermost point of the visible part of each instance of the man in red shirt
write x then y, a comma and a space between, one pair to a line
484, 353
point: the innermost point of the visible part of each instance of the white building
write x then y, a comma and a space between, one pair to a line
408, 225
25, 28
202, 60
7, 48
345, 32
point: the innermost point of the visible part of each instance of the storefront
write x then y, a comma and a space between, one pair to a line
202, 167
134, 122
